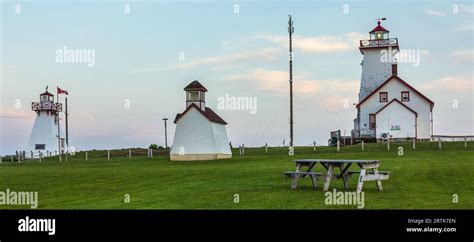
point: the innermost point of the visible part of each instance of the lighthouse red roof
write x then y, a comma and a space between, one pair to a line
46, 93
195, 86
379, 28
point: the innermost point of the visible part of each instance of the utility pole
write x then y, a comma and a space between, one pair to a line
166, 134
291, 29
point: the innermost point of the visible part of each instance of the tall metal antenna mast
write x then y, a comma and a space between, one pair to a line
291, 29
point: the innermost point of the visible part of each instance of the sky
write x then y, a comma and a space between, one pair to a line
146, 52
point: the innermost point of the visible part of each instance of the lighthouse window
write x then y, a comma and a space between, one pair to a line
383, 97
39, 146
405, 96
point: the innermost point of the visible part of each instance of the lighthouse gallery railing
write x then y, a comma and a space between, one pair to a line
379, 42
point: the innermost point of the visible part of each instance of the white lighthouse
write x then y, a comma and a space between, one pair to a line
374, 51
388, 106
44, 136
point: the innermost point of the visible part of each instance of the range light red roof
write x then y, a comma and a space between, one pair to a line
208, 113
379, 28
387, 81
195, 86
396, 100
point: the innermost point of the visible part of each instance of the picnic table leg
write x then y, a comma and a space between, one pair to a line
346, 181
296, 178
379, 182
328, 177
361, 183
314, 180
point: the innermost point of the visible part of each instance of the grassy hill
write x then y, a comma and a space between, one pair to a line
423, 178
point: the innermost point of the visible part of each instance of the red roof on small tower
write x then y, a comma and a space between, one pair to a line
46, 93
208, 113
195, 85
379, 28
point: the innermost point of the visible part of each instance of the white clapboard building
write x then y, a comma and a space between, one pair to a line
200, 133
388, 106
44, 135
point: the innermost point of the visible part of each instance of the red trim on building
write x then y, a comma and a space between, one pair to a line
208, 113
396, 100
387, 81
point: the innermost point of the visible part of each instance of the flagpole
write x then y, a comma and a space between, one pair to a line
67, 133
59, 134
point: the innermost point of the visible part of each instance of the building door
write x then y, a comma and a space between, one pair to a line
372, 123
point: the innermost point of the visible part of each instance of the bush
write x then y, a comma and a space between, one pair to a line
153, 146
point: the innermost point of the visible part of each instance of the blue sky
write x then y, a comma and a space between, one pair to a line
239, 54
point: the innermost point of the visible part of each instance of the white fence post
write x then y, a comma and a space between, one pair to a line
465, 142
129, 153
87, 157
12, 159
338, 144
1, 159
60, 158
151, 153
314, 145
243, 149
388, 144
40, 156
362, 145
439, 143
108, 154
414, 143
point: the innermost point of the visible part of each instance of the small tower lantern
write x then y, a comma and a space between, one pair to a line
195, 94
379, 32
46, 105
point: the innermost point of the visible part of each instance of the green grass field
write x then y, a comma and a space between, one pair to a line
425, 178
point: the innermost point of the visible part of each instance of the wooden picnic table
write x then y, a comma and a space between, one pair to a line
368, 172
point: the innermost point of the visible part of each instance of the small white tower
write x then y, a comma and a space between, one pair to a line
196, 93
44, 136
377, 66
200, 133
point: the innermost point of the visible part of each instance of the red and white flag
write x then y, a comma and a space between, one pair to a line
61, 91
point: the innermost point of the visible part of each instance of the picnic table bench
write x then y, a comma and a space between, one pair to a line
368, 172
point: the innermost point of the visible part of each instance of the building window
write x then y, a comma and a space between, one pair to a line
383, 97
39, 146
394, 69
405, 96
372, 121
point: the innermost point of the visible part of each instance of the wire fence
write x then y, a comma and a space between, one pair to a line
241, 150
69, 156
